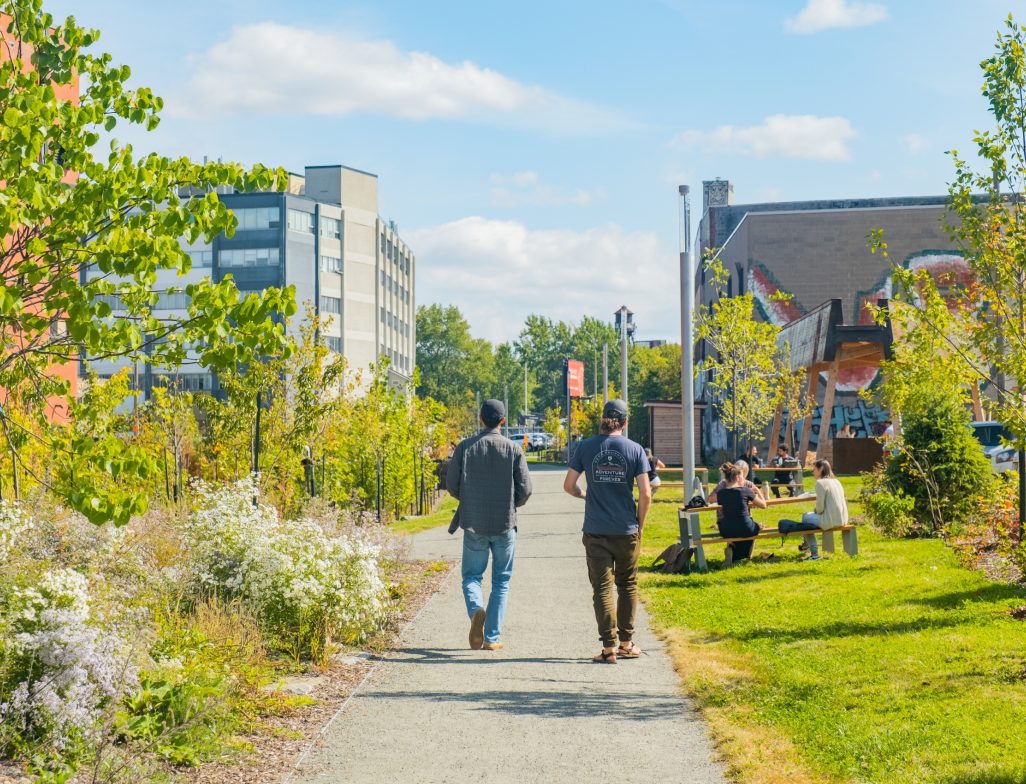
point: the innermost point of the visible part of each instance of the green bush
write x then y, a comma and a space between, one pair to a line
888, 510
939, 463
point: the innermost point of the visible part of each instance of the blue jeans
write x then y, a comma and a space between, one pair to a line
810, 522
476, 548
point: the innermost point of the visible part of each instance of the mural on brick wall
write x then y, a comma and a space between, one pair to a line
774, 304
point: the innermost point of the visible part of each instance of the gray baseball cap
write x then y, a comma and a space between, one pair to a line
492, 412
615, 408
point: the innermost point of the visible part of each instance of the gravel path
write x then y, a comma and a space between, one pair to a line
537, 711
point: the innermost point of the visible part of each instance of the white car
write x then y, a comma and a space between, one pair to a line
1001, 456
1004, 459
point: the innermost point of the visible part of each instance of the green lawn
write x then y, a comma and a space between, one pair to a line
896, 666
441, 516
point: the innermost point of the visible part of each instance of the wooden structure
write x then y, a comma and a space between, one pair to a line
821, 343
664, 426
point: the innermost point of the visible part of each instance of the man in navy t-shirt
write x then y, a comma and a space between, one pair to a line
613, 464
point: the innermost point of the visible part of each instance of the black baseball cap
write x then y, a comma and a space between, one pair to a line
492, 412
615, 409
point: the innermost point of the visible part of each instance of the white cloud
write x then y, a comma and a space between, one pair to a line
779, 136
526, 189
275, 69
825, 14
499, 272
914, 143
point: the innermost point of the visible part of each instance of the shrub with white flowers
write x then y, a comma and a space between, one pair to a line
14, 522
306, 587
63, 669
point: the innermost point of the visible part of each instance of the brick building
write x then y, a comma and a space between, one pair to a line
816, 251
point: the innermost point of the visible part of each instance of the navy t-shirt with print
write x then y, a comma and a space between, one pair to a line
610, 463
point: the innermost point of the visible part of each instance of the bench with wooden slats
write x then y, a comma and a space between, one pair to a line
698, 540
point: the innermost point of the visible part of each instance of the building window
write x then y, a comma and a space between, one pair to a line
382, 315
301, 222
331, 227
114, 301
248, 257
382, 243
333, 344
172, 300
201, 258
331, 264
253, 218
331, 305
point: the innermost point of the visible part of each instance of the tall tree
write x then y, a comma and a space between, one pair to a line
744, 382
543, 344
84, 229
453, 365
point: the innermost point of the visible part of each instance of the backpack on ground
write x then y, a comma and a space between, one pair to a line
675, 559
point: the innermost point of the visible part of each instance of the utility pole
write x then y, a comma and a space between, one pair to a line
625, 322
527, 407
689, 525
505, 403
605, 373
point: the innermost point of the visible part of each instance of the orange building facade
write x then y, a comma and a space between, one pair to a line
56, 407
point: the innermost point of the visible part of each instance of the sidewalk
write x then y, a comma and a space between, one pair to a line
537, 711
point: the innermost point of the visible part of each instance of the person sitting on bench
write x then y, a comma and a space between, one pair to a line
737, 520
742, 466
831, 509
789, 478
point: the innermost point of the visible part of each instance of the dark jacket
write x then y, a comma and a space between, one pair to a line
488, 474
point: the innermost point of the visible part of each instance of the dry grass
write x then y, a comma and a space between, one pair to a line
752, 752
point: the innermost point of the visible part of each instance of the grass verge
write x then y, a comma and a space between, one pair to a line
413, 525
896, 666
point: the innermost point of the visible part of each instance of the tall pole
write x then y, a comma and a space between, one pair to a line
623, 358
605, 373
527, 407
505, 403
594, 374
689, 525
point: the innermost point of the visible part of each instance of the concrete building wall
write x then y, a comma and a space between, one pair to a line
342, 259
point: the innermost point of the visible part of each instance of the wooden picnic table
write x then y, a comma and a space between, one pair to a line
697, 540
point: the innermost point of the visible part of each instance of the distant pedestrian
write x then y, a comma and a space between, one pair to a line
488, 474
846, 431
653, 476
888, 438
613, 523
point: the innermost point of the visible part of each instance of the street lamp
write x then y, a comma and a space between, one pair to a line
689, 525
624, 320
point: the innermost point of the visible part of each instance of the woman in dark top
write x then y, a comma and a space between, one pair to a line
737, 520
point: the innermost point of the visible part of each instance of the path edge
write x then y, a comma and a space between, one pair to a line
383, 659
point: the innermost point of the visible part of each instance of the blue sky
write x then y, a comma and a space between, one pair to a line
530, 152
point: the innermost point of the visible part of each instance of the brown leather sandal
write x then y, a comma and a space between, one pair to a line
630, 651
605, 658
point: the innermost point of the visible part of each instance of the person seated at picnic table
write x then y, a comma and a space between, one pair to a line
737, 521
742, 466
751, 457
789, 478
831, 509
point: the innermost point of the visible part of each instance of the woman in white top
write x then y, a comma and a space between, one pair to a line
831, 509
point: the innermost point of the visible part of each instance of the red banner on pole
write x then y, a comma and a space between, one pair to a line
575, 378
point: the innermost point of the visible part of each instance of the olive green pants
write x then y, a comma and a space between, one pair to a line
613, 560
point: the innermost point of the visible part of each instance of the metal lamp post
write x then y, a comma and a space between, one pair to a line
689, 525
624, 319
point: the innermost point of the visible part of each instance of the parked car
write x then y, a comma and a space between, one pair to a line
1001, 456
